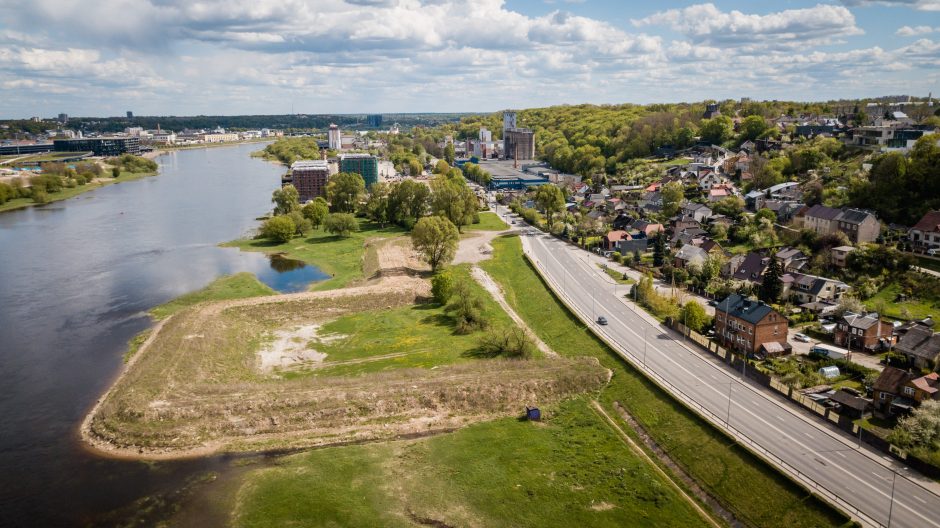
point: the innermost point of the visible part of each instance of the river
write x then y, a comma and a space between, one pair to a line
76, 280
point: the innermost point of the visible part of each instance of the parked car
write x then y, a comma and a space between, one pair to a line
801, 337
713, 302
601, 320
933, 252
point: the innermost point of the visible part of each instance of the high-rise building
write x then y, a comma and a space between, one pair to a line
375, 120
519, 144
130, 115
310, 177
365, 165
335, 137
509, 121
63, 118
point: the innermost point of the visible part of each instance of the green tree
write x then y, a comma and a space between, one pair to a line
466, 308
693, 316
115, 172
551, 200
407, 202
286, 200
449, 153
436, 238
511, 342
442, 285
717, 130
415, 168
302, 226
765, 213
344, 191
377, 205
660, 252
315, 212
453, 199
752, 127
279, 228
442, 167
341, 224
672, 194
772, 285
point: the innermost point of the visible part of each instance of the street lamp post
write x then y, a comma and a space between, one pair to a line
728, 418
894, 479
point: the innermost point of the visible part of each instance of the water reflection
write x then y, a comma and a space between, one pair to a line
288, 275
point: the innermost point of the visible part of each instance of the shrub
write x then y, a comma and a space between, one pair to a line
511, 342
467, 310
279, 228
341, 224
442, 286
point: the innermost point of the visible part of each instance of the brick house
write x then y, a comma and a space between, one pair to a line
922, 388
745, 326
926, 234
868, 332
613, 238
860, 226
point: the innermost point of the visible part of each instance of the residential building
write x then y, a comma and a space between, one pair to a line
365, 165
335, 137
887, 390
819, 219
926, 234
748, 326
751, 269
921, 346
217, 137
699, 212
519, 144
647, 228
689, 255
840, 255
310, 177
922, 388
860, 226
104, 146
863, 332
808, 289
374, 120
612, 239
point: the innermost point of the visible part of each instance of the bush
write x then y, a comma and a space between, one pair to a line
467, 310
512, 342
442, 286
40, 196
279, 228
341, 224
115, 172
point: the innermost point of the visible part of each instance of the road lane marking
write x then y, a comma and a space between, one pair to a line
662, 354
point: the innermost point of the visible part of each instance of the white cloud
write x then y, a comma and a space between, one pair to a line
908, 31
920, 5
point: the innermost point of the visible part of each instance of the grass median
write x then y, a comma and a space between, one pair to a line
753, 490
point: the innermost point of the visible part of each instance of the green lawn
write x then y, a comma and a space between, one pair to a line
570, 470
617, 276
488, 222
747, 486
238, 286
67, 193
339, 257
910, 309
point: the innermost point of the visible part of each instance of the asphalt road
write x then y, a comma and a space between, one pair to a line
860, 481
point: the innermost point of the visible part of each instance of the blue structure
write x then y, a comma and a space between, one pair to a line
533, 413
517, 182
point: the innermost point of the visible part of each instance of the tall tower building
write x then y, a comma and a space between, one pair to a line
335, 137
509, 121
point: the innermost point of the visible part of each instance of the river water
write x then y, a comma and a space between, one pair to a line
76, 280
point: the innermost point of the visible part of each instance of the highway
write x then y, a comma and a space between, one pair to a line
870, 486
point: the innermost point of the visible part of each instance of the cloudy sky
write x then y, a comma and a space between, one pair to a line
181, 57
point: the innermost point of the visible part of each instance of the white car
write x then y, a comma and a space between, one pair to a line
933, 252
801, 337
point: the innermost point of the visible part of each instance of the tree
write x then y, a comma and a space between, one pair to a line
752, 127
672, 194
466, 307
771, 285
341, 224
436, 238
344, 191
441, 167
730, 206
693, 316
511, 342
449, 153
315, 212
921, 429
115, 172
453, 199
659, 250
286, 200
302, 226
407, 202
377, 204
717, 130
279, 228
414, 168
442, 286
551, 200
765, 213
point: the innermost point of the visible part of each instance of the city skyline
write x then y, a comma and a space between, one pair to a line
386, 56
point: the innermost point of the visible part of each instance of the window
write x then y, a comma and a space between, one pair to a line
908, 391
776, 329
882, 396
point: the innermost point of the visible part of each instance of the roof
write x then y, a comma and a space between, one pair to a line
930, 222
928, 383
863, 322
920, 341
614, 236
788, 253
310, 164
855, 216
752, 268
847, 400
689, 253
844, 249
823, 212
891, 380
745, 309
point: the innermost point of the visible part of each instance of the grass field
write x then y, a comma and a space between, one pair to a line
67, 193
745, 485
911, 309
339, 257
570, 470
488, 222
238, 286
617, 276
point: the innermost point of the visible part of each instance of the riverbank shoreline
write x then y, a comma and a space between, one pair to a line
68, 193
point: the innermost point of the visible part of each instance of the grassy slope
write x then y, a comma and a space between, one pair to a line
501, 473
238, 286
750, 488
917, 309
488, 222
340, 257
67, 193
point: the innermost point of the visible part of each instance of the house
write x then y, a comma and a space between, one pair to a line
612, 239
887, 388
731, 266
808, 289
790, 259
860, 226
685, 222
647, 228
921, 346
863, 331
745, 325
708, 180
818, 219
752, 268
840, 255
699, 212
689, 255
926, 234
922, 388
635, 242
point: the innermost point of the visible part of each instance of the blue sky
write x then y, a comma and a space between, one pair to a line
180, 57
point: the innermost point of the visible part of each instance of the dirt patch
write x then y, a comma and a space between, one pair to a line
393, 257
291, 349
476, 247
602, 506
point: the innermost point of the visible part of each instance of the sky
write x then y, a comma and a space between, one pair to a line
214, 57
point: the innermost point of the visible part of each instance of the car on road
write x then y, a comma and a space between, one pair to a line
513, 222
801, 337
602, 320
713, 302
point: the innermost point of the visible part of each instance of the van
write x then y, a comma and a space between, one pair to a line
827, 351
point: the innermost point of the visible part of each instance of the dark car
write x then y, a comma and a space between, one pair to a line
713, 303
602, 320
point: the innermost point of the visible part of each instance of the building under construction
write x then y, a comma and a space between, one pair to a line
519, 144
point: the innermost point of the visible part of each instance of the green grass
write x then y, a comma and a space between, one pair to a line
488, 222
570, 470
910, 309
929, 263
617, 276
744, 484
339, 257
238, 286
423, 334
66, 193
135, 343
